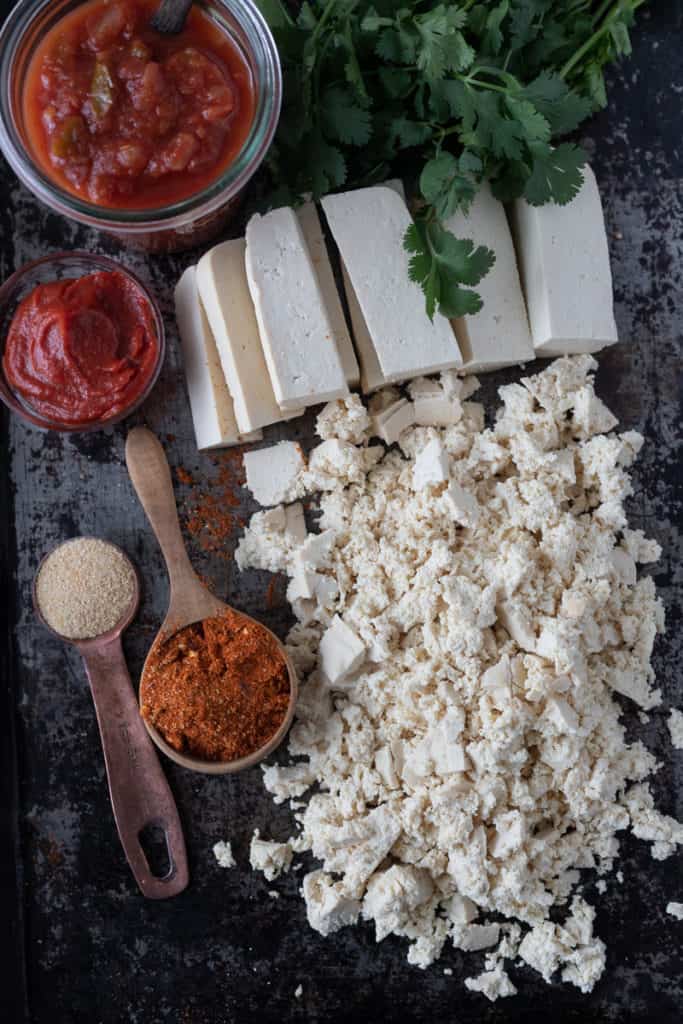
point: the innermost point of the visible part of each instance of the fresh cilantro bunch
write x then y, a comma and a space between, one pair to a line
462, 92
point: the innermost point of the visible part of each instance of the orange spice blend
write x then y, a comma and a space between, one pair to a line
218, 689
211, 518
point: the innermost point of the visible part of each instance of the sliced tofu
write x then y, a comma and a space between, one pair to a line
498, 335
212, 410
371, 376
317, 250
223, 288
564, 263
296, 332
368, 226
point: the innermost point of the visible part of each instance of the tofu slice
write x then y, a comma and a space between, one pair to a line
564, 263
371, 376
498, 335
317, 250
223, 288
212, 410
368, 226
296, 332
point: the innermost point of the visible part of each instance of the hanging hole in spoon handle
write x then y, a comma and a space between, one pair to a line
140, 795
170, 16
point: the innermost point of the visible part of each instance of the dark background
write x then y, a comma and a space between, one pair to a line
79, 942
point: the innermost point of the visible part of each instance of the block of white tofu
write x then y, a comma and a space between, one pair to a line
212, 409
296, 332
317, 250
368, 225
390, 423
341, 651
274, 473
564, 263
224, 292
498, 335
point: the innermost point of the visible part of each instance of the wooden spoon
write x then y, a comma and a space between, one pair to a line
189, 601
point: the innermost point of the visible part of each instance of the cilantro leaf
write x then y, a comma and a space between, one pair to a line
442, 47
342, 118
445, 187
563, 108
327, 166
409, 133
555, 174
441, 263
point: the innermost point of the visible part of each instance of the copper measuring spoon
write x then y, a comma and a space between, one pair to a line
140, 794
190, 601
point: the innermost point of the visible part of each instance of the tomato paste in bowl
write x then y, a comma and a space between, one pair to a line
152, 137
82, 342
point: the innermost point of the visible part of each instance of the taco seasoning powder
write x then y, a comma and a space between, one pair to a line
218, 689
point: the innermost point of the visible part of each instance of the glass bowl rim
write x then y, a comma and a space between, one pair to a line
248, 16
96, 261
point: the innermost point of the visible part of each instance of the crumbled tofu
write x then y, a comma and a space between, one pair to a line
494, 984
341, 651
431, 465
270, 858
346, 419
327, 908
298, 991
222, 851
459, 750
675, 724
390, 423
676, 910
274, 474
472, 937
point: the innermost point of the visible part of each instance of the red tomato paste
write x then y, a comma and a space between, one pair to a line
80, 351
127, 118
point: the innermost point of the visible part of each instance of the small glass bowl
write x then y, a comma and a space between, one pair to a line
53, 268
189, 222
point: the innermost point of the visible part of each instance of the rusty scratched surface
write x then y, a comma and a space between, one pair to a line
225, 950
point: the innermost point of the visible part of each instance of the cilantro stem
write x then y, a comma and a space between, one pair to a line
616, 10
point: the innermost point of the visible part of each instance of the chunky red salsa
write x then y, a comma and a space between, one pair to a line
125, 117
82, 350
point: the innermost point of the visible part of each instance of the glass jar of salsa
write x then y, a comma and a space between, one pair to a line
149, 137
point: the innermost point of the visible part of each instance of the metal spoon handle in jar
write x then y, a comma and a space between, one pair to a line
170, 16
140, 795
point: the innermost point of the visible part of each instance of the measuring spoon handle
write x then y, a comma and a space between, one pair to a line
140, 794
151, 476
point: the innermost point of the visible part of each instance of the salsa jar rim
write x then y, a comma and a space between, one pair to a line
81, 263
27, 24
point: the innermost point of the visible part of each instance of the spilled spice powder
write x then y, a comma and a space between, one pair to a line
218, 689
210, 519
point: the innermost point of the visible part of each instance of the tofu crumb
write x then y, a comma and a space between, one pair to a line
676, 910
222, 851
298, 992
675, 724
